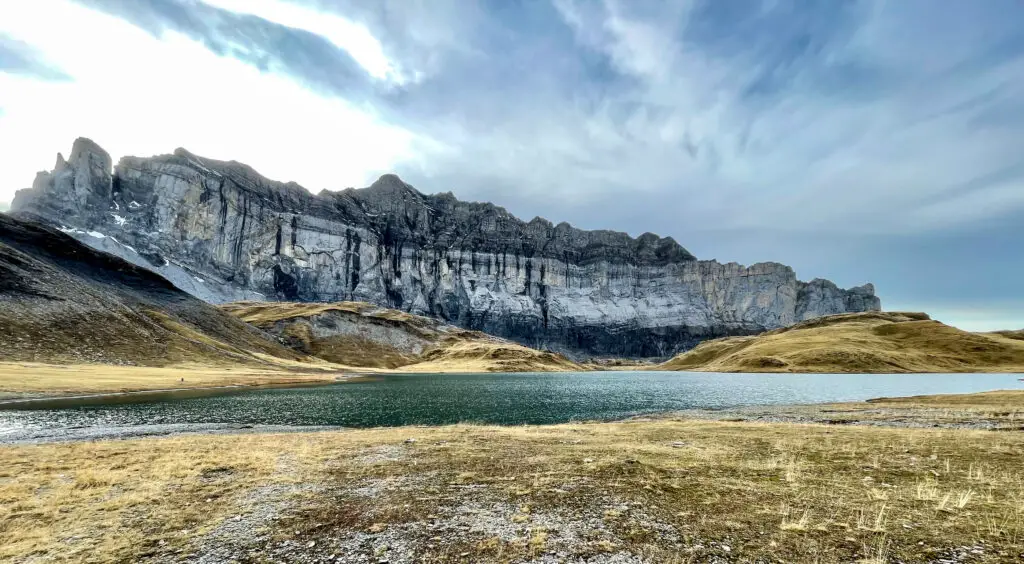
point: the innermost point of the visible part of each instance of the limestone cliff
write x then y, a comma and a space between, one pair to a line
222, 232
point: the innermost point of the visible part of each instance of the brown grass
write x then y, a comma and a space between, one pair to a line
873, 342
1015, 335
768, 491
997, 399
265, 314
448, 348
489, 355
24, 378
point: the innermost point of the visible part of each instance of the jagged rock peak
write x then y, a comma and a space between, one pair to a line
391, 180
85, 147
390, 186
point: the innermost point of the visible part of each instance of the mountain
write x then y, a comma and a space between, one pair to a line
222, 232
64, 302
365, 335
872, 342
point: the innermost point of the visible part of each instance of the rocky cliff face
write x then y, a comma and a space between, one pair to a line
222, 232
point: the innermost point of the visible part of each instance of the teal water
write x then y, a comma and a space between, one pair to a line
434, 399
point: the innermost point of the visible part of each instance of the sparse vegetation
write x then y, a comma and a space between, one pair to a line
662, 490
872, 342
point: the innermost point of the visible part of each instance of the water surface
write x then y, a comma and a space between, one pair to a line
435, 399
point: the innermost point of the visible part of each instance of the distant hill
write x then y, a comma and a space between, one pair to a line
66, 303
1016, 335
360, 334
870, 342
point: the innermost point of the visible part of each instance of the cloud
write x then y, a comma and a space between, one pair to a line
17, 57
4, 206
852, 139
139, 93
346, 35
267, 45
854, 117
810, 115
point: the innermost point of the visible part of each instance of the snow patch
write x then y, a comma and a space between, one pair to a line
94, 235
129, 247
70, 230
119, 220
203, 168
134, 205
73, 231
116, 207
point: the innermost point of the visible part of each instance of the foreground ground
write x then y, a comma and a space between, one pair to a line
665, 490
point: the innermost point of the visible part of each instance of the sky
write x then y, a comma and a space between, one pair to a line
858, 141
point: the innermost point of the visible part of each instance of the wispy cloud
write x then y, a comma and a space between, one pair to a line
18, 57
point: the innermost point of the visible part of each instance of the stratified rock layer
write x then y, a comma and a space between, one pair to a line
222, 232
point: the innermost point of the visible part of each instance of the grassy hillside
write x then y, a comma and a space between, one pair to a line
871, 342
1015, 335
359, 334
62, 302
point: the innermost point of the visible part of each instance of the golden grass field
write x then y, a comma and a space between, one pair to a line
872, 342
55, 379
663, 490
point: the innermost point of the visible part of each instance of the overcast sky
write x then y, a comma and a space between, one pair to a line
857, 141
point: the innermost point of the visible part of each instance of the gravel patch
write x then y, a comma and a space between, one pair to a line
252, 527
383, 453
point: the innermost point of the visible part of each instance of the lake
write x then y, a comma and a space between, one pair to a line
435, 399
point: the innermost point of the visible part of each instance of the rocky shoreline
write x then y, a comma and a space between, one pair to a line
857, 414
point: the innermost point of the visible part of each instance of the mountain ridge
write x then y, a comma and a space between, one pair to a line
222, 232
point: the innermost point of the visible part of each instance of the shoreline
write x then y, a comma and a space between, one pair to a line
257, 378
36, 398
21, 383
996, 410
